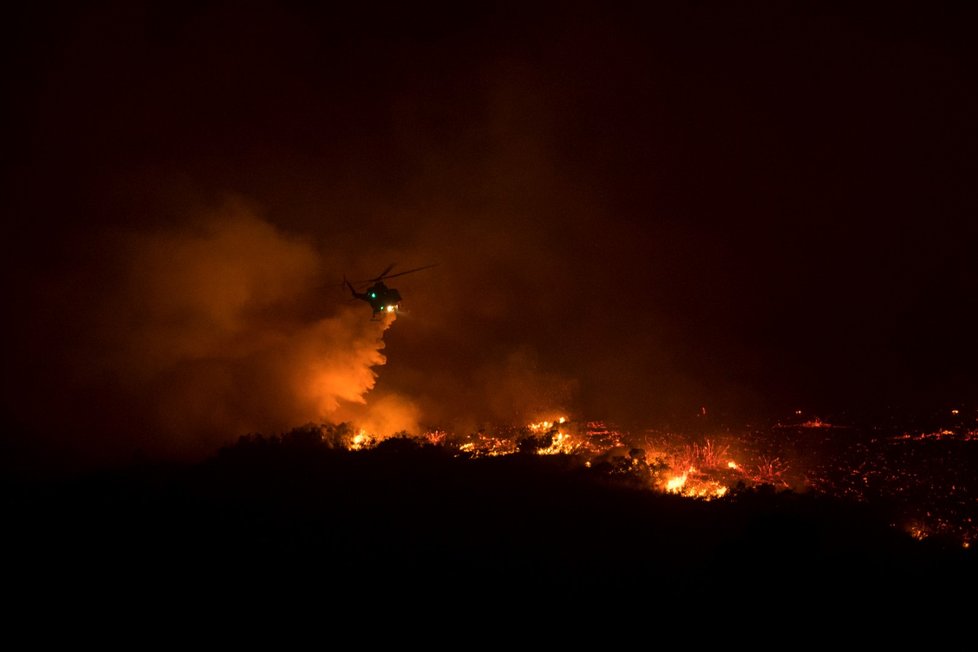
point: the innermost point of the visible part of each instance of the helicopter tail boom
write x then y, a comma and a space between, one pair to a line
356, 295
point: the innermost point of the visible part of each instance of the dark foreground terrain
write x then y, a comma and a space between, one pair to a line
403, 522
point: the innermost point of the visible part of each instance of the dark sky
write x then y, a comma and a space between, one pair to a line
635, 212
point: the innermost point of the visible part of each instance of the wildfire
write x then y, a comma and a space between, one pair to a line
894, 466
693, 471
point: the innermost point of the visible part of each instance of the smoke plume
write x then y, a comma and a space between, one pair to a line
207, 331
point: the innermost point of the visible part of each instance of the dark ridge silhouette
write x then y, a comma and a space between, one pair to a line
297, 512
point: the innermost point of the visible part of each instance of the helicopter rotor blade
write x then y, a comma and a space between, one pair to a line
365, 282
410, 271
383, 274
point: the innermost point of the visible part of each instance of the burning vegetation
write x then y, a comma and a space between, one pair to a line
656, 461
921, 477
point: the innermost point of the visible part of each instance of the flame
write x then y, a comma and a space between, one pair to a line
676, 483
361, 440
545, 426
562, 443
691, 485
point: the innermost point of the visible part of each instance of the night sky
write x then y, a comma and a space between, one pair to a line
636, 212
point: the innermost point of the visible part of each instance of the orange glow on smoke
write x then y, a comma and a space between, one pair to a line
332, 376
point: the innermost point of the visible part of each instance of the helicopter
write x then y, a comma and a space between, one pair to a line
382, 299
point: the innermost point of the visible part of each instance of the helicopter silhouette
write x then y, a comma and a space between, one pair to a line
382, 299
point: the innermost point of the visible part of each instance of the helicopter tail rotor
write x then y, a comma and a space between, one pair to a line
353, 290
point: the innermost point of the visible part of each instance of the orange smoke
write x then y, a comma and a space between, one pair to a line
384, 415
214, 330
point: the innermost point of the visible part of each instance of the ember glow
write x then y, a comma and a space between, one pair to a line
923, 471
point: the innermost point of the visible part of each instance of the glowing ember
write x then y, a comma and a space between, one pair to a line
483, 445
435, 437
918, 532
816, 423
562, 443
